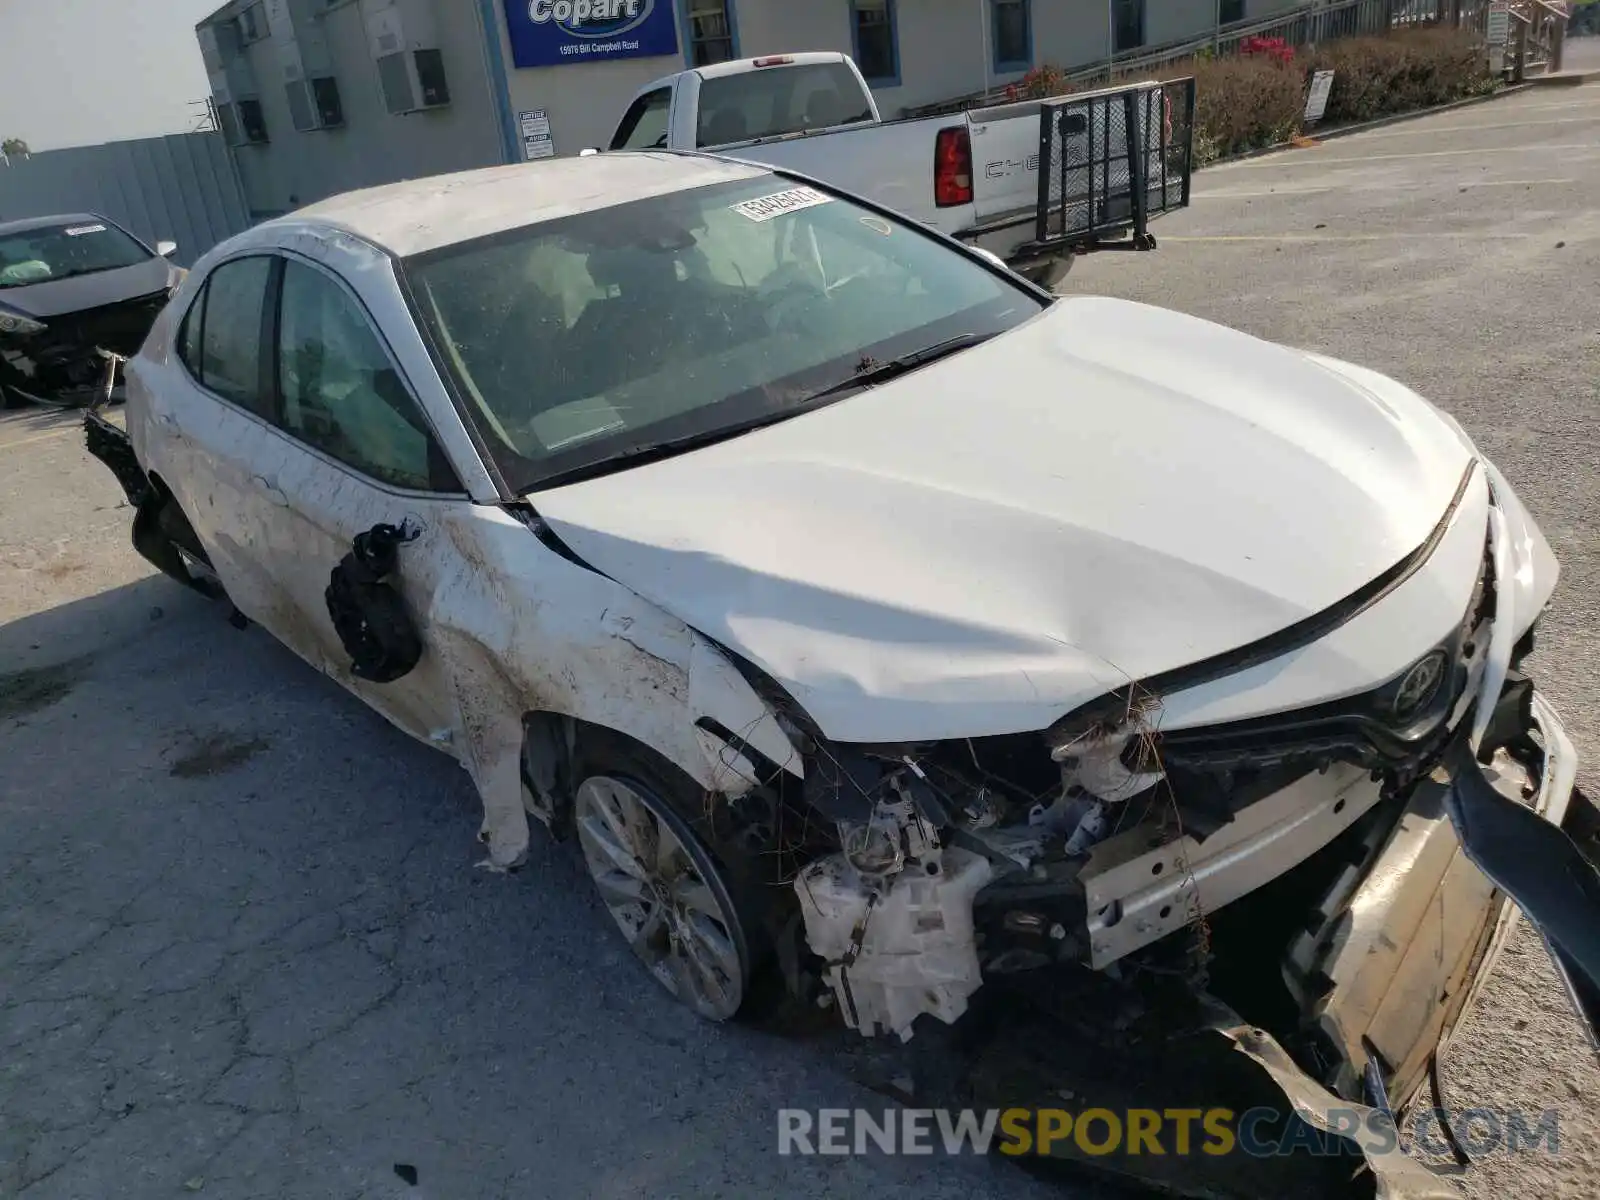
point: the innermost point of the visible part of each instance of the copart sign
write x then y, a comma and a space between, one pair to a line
547, 33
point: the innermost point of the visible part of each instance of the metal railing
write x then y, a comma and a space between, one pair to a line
1298, 27
1538, 32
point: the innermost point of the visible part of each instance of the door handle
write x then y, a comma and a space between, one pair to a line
269, 489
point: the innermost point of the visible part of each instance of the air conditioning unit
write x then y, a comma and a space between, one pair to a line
243, 123
413, 80
219, 45
315, 103
401, 37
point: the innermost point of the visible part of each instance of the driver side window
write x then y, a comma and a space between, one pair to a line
341, 394
644, 125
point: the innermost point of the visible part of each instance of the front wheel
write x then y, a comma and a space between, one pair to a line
666, 893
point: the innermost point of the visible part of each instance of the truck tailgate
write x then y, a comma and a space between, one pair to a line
1005, 161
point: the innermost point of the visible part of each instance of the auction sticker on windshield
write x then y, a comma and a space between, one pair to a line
764, 208
80, 230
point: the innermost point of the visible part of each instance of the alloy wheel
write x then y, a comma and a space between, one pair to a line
665, 893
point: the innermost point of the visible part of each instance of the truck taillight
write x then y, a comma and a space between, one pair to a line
952, 167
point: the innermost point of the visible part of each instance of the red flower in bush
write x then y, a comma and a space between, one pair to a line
1274, 48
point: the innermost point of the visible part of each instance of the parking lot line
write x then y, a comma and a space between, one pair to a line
1430, 130
1318, 189
1303, 160
1348, 237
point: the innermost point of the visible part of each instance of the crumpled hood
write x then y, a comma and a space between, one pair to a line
1105, 493
74, 293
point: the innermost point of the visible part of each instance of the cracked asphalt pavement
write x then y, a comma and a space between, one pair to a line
244, 950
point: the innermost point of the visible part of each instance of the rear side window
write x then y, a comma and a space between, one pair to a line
230, 334
189, 334
644, 125
775, 100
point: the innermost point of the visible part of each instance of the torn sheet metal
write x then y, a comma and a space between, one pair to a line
1397, 942
1096, 1052
1394, 1174
515, 627
1530, 856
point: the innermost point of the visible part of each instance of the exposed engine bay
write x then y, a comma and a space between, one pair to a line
1100, 837
1280, 905
63, 359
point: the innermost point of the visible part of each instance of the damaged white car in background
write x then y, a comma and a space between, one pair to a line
885, 627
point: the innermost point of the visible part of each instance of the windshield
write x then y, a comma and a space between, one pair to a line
61, 251
773, 100
585, 340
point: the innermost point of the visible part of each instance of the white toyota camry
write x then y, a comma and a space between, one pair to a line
880, 624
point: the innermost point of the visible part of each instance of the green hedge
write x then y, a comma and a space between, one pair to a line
1377, 77
1254, 100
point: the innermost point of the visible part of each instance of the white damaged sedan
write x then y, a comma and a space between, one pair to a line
880, 624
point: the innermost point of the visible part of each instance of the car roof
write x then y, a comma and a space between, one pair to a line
419, 215
27, 224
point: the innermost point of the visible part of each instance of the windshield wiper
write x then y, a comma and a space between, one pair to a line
872, 370
635, 456
868, 371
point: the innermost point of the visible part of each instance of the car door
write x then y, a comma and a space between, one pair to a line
353, 451
207, 422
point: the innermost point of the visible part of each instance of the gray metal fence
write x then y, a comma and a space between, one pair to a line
181, 188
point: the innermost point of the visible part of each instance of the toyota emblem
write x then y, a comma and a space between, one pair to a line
1419, 685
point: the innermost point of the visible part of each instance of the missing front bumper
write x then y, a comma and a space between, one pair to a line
1404, 942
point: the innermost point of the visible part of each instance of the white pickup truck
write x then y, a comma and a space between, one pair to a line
975, 175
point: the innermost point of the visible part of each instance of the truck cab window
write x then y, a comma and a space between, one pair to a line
644, 125
779, 100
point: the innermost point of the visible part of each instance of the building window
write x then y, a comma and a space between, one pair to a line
430, 77
709, 32
1011, 30
252, 122
1229, 11
1128, 24
876, 50
253, 23
325, 93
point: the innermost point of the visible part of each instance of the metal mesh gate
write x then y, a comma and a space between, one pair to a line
1110, 160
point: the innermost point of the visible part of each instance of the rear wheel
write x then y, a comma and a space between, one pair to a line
665, 891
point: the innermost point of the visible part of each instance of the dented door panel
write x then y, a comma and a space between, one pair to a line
328, 505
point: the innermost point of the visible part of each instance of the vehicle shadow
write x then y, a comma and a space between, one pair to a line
244, 938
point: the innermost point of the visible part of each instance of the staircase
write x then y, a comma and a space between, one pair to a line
1537, 37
